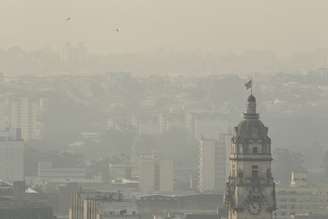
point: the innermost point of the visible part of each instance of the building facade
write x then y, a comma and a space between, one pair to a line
155, 174
212, 165
250, 190
11, 155
25, 113
301, 198
102, 205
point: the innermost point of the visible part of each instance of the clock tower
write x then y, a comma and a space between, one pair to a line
250, 189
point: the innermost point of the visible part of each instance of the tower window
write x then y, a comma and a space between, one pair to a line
255, 170
255, 150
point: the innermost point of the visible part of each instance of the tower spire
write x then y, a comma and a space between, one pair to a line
250, 190
251, 103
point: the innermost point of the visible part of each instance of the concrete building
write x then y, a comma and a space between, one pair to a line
250, 190
166, 176
179, 206
11, 155
147, 123
21, 204
301, 199
120, 171
148, 174
207, 124
309, 216
48, 173
155, 174
102, 205
172, 121
25, 113
212, 165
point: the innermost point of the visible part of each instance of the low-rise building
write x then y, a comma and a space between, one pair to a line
102, 205
47, 172
179, 206
301, 198
24, 204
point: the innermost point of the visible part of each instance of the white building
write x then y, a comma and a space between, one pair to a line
11, 156
212, 167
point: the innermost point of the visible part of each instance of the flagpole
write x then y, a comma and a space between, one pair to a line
252, 86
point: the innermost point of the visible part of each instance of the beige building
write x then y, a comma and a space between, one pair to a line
102, 205
212, 165
166, 175
155, 174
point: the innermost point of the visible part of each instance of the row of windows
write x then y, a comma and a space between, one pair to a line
252, 149
255, 171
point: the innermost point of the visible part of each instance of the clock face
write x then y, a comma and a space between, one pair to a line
254, 207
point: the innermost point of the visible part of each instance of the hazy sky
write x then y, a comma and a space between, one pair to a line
145, 25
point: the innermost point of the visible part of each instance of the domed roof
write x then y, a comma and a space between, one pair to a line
251, 98
251, 128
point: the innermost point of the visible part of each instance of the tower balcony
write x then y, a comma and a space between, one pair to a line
251, 157
250, 181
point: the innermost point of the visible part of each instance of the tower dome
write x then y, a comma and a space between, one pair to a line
251, 98
251, 126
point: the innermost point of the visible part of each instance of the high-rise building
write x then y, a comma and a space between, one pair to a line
155, 174
25, 113
250, 190
212, 165
207, 124
166, 176
11, 156
147, 170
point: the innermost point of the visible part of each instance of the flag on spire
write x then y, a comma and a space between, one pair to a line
249, 84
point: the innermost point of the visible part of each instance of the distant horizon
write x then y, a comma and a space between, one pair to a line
283, 27
63, 46
78, 58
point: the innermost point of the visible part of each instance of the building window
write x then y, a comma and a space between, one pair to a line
255, 150
255, 170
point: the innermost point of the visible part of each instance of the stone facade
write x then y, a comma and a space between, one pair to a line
250, 190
